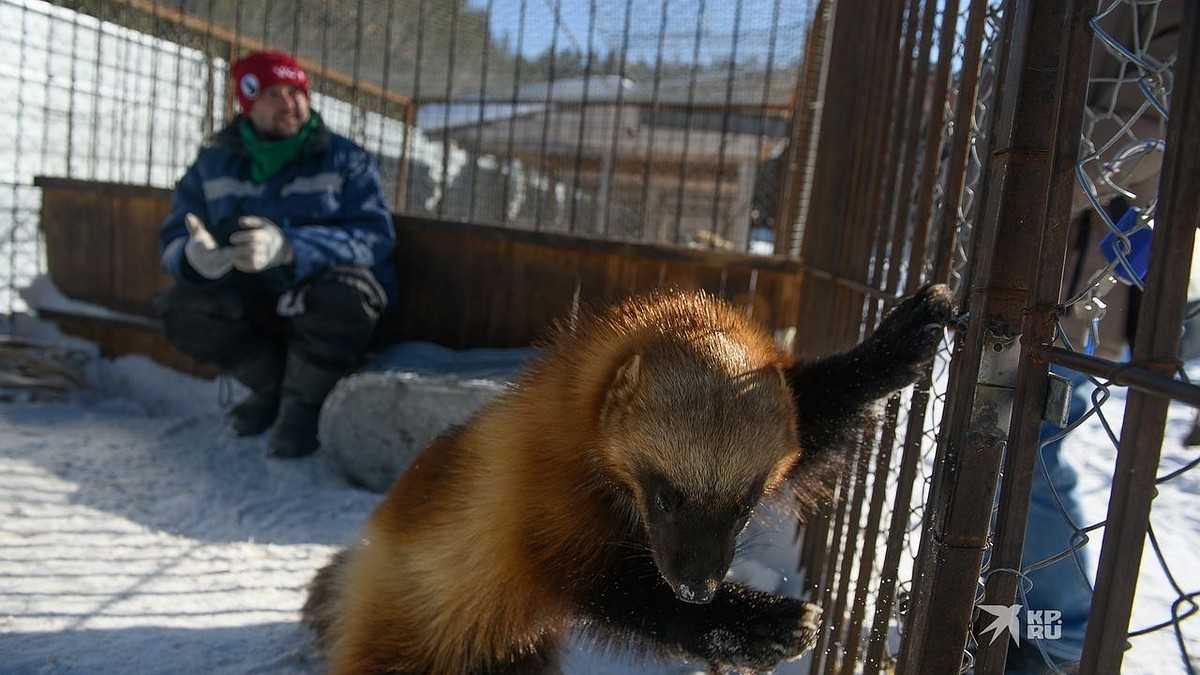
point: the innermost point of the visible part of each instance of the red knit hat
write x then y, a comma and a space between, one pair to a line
254, 73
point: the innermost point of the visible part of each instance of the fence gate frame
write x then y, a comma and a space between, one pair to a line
997, 392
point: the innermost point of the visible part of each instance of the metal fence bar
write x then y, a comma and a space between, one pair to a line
1037, 325
833, 172
955, 169
895, 129
773, 43
934, 145
827, 557
418, 69
723, 143
1039, 99
866, 565
808, 100
1136, 377
648, 169
584, 106
862, 255
543, 173
676, 232
451, 55
901, 222
603, 227
512, 118
854, 501
958, 159
906, 479
851, 255
483, 98
1155, 346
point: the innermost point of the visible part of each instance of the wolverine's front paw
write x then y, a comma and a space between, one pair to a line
912, 331
779, 632
907, 338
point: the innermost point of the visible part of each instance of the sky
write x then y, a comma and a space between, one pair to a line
571, 20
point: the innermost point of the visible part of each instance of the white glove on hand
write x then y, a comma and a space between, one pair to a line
259, 245
209, 260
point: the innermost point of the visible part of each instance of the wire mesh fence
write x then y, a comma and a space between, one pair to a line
757, 126
663, 122
1130, 90
1130, 80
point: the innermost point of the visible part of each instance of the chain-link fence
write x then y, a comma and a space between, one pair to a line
939, 499
1038, 554
1124, 133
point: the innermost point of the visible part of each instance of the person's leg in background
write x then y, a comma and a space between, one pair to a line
1050, 532
237, 332
331, 320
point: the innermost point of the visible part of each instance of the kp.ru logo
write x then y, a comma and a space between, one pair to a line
1040, 624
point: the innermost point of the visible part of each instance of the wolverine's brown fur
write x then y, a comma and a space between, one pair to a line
504, 533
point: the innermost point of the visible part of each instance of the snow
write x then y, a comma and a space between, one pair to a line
136, 537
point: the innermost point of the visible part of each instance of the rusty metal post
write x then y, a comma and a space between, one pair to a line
1037, 329
1155, 347
1035, 144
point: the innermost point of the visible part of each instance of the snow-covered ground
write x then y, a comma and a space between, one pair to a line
136, 537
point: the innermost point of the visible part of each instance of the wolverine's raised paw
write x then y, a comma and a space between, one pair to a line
911, 332
780, 632
906, 340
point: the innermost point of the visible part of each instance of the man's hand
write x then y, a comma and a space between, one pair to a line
259, 245
209, 260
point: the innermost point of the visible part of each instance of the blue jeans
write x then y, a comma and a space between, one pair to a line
1059, 586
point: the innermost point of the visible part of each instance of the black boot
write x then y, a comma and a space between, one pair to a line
305, 386
263, 375
257, 413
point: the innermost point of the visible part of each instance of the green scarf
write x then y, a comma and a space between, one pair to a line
267, 158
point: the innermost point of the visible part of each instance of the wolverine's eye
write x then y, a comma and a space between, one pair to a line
666, 500
663, 504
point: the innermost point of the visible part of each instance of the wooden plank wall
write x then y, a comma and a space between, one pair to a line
465, 285
462, 285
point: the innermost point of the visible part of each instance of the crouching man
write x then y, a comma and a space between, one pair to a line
280, 243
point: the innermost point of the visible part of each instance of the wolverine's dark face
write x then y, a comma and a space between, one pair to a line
693, 542
697, 431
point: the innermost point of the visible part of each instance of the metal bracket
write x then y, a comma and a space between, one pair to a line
995, 384
1058, 400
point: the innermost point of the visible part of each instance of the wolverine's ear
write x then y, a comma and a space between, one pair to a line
623, 386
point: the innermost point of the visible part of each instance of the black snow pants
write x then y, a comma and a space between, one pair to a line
327, 322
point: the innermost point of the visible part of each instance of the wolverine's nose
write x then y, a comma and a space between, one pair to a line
697, 593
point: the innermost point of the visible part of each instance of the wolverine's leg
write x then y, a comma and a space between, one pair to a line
741, 627
539, 660
832, 392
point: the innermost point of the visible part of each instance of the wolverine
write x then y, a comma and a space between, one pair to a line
605, 492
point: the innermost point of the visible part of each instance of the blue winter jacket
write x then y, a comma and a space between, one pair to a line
328, 203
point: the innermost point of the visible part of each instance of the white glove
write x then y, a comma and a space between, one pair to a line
259, 245
209, 260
